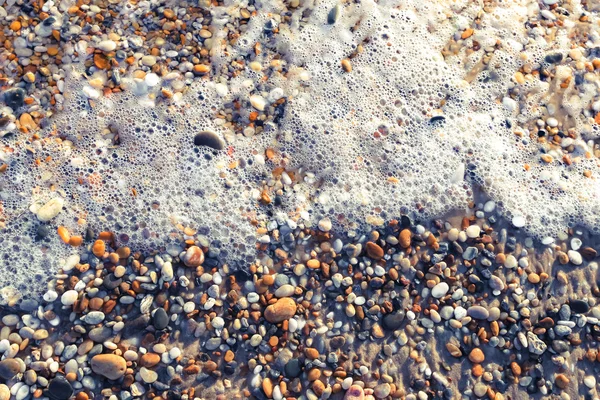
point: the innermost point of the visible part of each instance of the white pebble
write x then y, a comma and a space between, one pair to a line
107, 45
258, 102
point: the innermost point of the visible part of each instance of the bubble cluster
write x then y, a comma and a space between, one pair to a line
378, 112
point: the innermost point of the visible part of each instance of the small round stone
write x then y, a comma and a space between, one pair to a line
440, 290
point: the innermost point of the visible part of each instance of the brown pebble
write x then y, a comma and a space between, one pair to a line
374, 251
561, 381
99, 248
454, 350
404, 238
476, 356
311, 353
267, 387
318, 387
313, 374
149, 360
283, 309
346, 65
515, 368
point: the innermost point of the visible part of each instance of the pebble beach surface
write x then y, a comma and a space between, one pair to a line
299, 199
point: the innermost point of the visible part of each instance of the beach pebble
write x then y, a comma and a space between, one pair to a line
59, 388
473, 231
50, 210
283, 309
148, 60
5, 392
478, 312
110, 366
382, 390
519, 221
160, 319
258, 102
589, 381
440, 290
325, 224
69, 298
193, 257
9, 368
355, 392
575, 257
94, 317
107, 45
147, 375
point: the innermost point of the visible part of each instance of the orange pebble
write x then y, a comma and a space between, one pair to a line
15, 25
76, 241
105, 235
64, 234
99, 248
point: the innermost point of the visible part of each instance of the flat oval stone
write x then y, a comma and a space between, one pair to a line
59, 388
440, 290
110, 366
478, 312
579, 306
393, 321
208, 139
9, 368
160, 319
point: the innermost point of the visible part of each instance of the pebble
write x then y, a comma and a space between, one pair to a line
110, 366
589, 381
562, 381
5, 392
374, 251
107, 45
14, 98
148, 60
393, 321
476, 356
147, 375
478, 312
209, 139
160, 319
473, 231
193, 257
50, 210
382, 390
258, 102
355, 392
69, 298
440, 290
9, 368
575, 257
59, 388
405, 237
325, 224
283, 309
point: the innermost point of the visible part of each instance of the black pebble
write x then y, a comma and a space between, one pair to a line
437, 118
209, 139
393, 321
49, 21
60, 388
160, 319
579, 306
41, 232
14, 98
293, 368
553, 58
